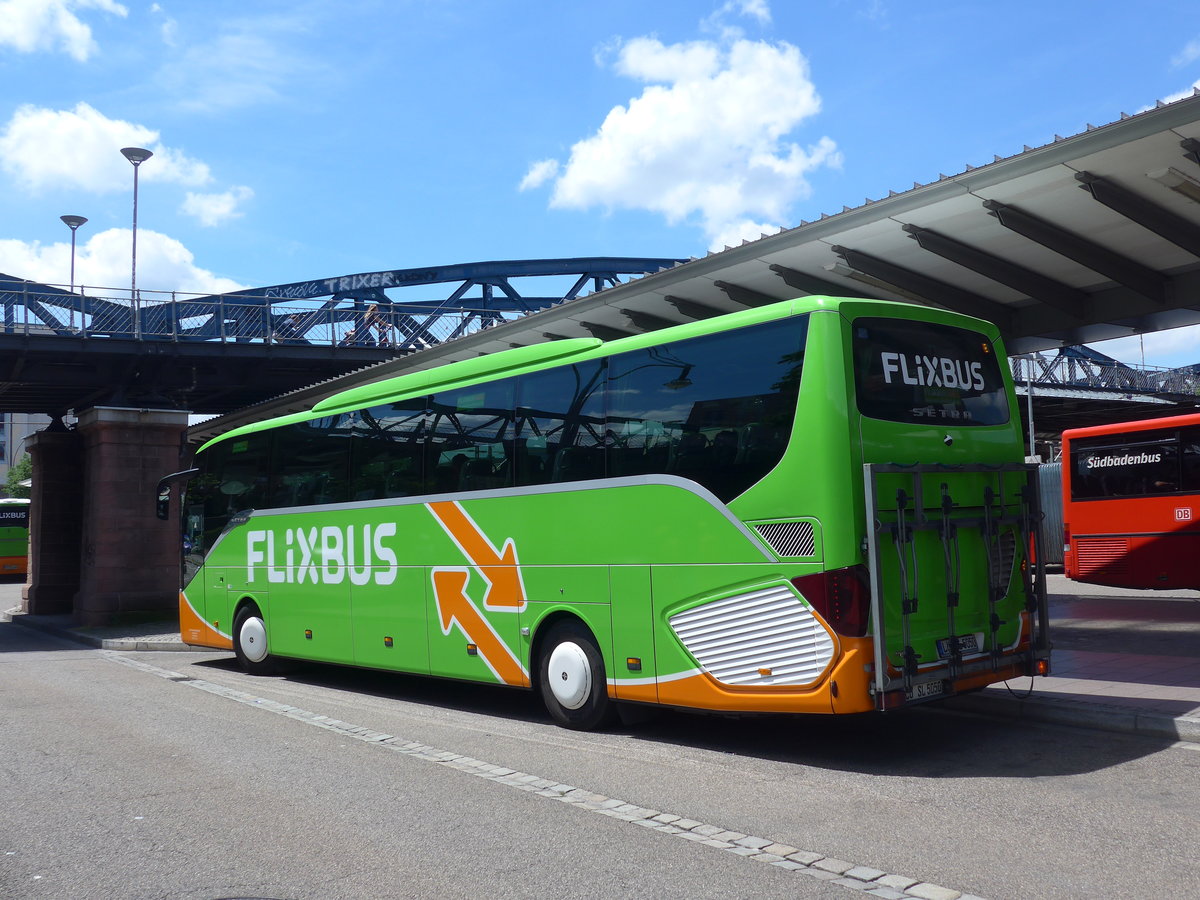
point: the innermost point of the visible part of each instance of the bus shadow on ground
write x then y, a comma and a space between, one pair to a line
923, 742
21, 639
469, 697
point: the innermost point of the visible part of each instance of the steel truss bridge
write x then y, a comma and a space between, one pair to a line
351, 310
67, 349
1082, 369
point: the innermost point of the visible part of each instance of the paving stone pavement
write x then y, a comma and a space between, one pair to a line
872, 882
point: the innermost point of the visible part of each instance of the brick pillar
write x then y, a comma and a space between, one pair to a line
130, 558
55, 522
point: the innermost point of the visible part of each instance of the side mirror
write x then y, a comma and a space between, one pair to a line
162, 506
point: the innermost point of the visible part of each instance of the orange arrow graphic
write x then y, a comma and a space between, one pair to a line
498, 568
454, 606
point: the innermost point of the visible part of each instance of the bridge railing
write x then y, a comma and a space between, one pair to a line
178, 316
1073, 372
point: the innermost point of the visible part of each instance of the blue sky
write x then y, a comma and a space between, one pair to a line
310, 139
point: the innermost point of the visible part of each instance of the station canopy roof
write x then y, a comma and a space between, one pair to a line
1089, 237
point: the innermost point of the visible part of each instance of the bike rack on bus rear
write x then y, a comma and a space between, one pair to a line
908, 514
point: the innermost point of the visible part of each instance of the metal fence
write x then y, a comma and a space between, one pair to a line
177, 316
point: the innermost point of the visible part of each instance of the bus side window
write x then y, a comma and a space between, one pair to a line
475, 422
312, 463
669, 404
387, 450
1189, 451
560, 417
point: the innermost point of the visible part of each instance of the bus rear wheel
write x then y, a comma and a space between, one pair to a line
250, 642
572, 680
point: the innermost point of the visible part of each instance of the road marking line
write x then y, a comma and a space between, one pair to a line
873, 882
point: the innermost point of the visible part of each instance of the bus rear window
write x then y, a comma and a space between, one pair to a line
927, 374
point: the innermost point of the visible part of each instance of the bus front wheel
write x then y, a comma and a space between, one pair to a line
572, 680
250, 642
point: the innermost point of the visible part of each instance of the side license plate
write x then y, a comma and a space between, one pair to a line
967, 643
927, 689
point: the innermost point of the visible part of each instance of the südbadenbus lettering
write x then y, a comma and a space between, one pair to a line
1129, 459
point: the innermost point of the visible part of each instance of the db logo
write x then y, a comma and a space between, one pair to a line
1183, 514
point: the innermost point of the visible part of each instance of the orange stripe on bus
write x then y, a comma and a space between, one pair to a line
194, 630
498, 567
455, 607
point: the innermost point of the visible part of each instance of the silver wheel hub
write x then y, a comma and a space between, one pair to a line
253, 639
569, 675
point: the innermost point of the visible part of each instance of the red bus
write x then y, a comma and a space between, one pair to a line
1131, 503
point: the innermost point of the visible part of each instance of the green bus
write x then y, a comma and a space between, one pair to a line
14, 536
816, 506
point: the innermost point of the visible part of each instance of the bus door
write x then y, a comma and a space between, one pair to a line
953, 594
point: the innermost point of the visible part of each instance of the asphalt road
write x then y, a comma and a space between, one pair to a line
174, 775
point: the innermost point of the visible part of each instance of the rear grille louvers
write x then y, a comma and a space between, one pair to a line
1094, 554
760, 638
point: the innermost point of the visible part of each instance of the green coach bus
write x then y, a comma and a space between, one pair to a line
14, 536
816, 506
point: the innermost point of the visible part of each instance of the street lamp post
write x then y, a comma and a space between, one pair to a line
137, 156
1029, 398
73, 222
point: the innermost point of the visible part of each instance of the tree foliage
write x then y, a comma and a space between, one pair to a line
18, 472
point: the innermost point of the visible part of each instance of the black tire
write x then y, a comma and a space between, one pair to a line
250, 642
571, 678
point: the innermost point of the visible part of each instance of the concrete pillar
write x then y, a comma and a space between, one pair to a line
130, 559
55, 522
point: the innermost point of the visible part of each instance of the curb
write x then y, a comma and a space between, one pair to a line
24, 620
1103, 717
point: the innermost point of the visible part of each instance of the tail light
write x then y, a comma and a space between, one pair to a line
841, 596
1066, 537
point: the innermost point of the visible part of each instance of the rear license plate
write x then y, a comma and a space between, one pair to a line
927, 689
967, 643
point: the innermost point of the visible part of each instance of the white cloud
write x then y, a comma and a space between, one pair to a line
251, 63
539, 173
736, 232
216, 209
755, 9
32, 25
646, 59
169, 30
718, 22
1180, 95
706, 140
80, 148
103, 263
1187, 55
